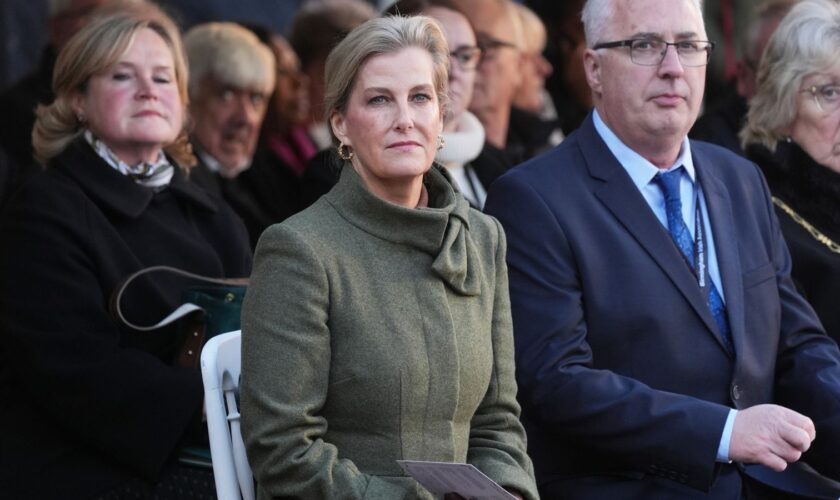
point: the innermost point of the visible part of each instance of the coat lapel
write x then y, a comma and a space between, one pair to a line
618, 193
719, 207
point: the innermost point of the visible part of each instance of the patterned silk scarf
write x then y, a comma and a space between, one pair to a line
154, 175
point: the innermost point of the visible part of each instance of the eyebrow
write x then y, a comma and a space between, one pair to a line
124, 64
383, 90
683, 35
377, 90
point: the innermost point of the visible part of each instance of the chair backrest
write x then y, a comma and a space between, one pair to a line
220, 365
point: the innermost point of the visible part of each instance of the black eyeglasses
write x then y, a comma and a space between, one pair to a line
489, 46
651, 51
466, 57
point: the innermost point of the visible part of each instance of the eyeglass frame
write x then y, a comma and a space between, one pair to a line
813, 89
489, 45
629, 44
473, 49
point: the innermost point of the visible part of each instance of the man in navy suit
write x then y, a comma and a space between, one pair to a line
662, 349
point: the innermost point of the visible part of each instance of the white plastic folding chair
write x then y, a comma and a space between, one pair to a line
220, 366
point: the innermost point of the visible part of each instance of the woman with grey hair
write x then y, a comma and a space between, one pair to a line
793, 133
377, 324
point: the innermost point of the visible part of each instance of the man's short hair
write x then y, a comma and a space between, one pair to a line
597, 13
229, 54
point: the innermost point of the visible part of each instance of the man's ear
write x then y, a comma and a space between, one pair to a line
339, 127
592, 67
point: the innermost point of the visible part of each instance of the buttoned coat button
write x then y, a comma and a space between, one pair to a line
736, 392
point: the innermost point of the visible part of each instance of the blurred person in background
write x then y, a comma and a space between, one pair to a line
793, 134
721, 125
284, 132
499, 34
533, 126
232, 77
316, 28
567, 85
385, 301
99, 410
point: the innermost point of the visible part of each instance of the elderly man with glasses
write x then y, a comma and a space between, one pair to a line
662, 348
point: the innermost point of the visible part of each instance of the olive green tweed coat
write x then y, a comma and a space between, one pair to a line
373, 333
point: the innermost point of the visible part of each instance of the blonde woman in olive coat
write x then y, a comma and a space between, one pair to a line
377, 326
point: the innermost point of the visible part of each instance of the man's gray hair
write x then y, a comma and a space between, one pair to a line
596, 15
229, 54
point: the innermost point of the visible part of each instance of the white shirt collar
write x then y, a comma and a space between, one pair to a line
640, 170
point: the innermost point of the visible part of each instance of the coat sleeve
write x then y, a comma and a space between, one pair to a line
497, 439
285, 376
618, 417
63, 349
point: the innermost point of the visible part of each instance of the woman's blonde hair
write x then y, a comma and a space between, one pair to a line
383, 35
805, 43
534, 35
93, 50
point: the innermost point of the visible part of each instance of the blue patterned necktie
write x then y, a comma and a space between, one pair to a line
669, 183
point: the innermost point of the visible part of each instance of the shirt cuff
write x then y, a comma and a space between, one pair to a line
726, 437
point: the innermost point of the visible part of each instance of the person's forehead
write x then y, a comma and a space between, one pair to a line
662, 17
495, 20
453, 23
219, 84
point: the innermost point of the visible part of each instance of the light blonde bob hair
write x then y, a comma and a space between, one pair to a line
92, 51
383, 35
806, 42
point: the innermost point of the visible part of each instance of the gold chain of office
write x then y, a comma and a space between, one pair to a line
816, 233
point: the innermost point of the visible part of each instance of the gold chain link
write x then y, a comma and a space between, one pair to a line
819, 236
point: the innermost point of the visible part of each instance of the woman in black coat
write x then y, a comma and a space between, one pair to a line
793, 134
92, 409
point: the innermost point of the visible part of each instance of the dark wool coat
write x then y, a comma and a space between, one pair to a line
812, 191
88, 404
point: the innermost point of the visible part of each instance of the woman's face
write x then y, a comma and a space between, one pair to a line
134, 107
392, 120
461, 39
291, 97
816, 127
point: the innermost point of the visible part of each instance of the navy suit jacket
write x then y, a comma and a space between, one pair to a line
624, 380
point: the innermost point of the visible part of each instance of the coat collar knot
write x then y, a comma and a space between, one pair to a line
441, 230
